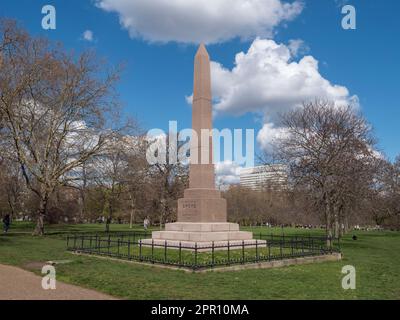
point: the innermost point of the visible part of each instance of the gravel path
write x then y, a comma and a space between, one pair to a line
18, 284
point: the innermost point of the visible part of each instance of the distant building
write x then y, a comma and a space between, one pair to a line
264, 177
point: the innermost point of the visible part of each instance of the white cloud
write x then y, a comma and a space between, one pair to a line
227, 173
267, 80
193, 21
88, 35
269, 135
298, 47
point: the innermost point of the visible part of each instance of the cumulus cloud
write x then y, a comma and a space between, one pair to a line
268, 80
297, 47
227, 173
88, 35
269, 135
193, 21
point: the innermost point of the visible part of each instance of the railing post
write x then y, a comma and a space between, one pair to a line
229, 255
269, 251
291, 246
74, 241
165, 250
256, 250
280, 248
195, 255
118, 247
108, 247
302, 246
312, 246
90, 243
140, 249
212, 255
129, 249
180, 252
242, 251
152, 250
67, 242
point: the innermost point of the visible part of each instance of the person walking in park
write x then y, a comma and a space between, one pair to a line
6, 223
146, 223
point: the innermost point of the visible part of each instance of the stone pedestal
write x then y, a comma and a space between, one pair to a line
202, 205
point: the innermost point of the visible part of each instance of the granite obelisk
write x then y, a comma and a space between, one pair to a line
201, 202
202, 212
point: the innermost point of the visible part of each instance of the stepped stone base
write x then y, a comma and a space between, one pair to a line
190, 235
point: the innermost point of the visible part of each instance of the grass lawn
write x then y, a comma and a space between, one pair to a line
375, 255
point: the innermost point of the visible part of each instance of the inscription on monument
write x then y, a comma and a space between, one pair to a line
189, 208
189, 205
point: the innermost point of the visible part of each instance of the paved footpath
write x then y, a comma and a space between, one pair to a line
18, 284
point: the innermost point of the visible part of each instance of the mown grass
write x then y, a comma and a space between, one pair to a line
375, 255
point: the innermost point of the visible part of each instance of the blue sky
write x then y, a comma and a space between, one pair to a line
158, 73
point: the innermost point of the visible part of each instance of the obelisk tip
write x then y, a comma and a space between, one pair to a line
202, 51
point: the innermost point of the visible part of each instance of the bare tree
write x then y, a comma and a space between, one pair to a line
168, 180
11, 186
55, 109
329, 152
384, 199
137, 179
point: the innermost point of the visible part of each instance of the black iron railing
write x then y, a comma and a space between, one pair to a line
130, 246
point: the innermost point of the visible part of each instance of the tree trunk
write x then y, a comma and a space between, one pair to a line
110, 214
328, 218
39, 229
132, 212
